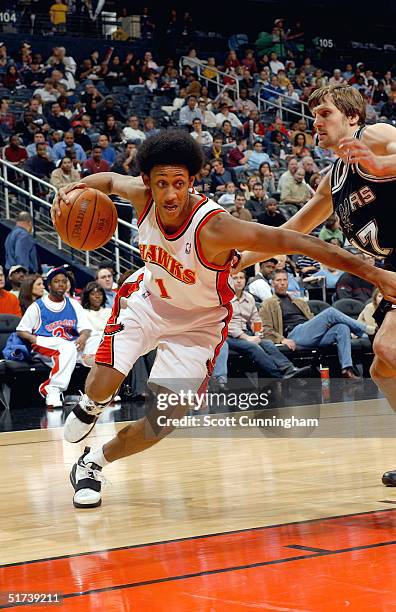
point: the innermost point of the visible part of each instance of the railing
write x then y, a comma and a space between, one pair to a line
219, 78
284, 103
21, 191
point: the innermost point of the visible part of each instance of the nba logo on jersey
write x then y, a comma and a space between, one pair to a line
188, 248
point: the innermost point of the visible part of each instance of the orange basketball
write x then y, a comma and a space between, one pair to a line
88, 221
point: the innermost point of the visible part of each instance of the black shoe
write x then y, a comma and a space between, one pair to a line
389, 479
86, 479
297, 372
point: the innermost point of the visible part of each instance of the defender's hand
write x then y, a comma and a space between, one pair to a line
386, 283
354, 151
62, 196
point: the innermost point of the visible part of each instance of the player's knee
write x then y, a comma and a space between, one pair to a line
385, 349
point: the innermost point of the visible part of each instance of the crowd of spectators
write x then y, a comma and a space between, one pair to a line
63, 119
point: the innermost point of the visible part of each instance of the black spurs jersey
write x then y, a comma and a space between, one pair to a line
365, 205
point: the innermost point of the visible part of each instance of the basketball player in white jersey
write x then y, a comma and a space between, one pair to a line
180, 304
361, 188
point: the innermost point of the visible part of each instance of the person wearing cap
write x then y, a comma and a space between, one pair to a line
259, 285
20, 248
57, 328
80, 137
225, 114
15, 276
9, 303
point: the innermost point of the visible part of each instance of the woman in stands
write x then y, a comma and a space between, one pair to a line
110, 129
32, 288
267, 178
93, 299
300, 148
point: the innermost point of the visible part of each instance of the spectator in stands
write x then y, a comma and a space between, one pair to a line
267, 178
80, 137
238, 210
47, 93
256, 204
260, 285
20, 248
300, 148
132, 131
228, 133
40, 165
149, 128
57, 329
306, 266
328, 273
57, 14
228, 198
295, 191
202, 180
12, 79
216, 151
275, 64
225, 114
14, 153
289, 321
288, 176
93, 300
111, 130
64, 174
16, 275
366, 316
56, 120
263, 353
237, 159
389, 110
105, 278
310, 167
244, 105
9, 303
95, 163
257, 157
7, 119
285, 263
337, 78
108, 152
38, 138
32, 288
351, 286
272, 91
272, 216
125, 162
190, 112
380, 96
203, 137
301, 127
220, 177
331, 229
207, 116
58, 151
88, 128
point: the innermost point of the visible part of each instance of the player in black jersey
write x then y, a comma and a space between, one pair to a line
361, 188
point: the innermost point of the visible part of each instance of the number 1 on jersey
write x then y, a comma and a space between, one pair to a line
164, 293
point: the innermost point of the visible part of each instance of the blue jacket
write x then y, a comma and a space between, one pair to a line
20, 249
17, 349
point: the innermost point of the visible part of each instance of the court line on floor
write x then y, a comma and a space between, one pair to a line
198, 537
216, 571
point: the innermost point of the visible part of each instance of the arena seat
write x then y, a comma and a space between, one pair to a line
349, 306
317, 306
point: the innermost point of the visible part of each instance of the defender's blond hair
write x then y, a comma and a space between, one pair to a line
347, 99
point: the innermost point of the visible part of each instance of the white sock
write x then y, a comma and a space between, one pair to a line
96, 456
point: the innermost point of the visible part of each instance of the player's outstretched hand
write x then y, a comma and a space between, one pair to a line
386, 283
62, 195
354, 151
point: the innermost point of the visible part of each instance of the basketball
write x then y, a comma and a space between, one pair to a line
88, 221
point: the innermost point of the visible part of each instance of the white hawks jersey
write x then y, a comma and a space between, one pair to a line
175, 267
